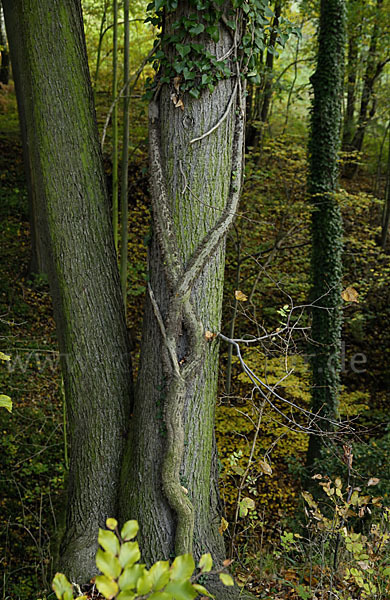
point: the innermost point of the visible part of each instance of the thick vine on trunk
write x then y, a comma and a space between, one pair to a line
327, 230
49, 55
169, 480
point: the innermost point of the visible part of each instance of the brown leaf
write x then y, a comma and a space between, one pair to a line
265, 467
373, 481
240, 296
350, 295
227, 562
176, 83
209, 336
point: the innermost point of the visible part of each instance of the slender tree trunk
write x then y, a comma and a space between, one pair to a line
49, 54
386, 208
192, 184
327, 227
352, 69
373, 71
115, 182
4, 66
125, 158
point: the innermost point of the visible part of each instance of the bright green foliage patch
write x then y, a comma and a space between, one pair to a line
124, 578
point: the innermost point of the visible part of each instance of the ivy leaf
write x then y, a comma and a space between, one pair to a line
213, 31
158, 4
129, 530
182, 567
108, 541
106, 586
183, 49
226, 579
197, 29
5, 402
63, 589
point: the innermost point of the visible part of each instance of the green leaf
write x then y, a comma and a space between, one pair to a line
183, 49
160, 574
197, 29
181, 590
4, 356
5, 402
63, 589
144, 583
194, 92
205, 563
108, 541
129, 530
202, 590
108, 564
245, 505
213, 31
106, 586
126, 595
182, 567
111, 523
226, 579
158, 4
129, 554
128, 579
160, 596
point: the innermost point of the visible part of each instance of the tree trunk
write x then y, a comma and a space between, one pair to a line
49, 54
373, 70
354, 30
327, 228
200, 184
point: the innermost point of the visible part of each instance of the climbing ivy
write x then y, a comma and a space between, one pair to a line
183, 57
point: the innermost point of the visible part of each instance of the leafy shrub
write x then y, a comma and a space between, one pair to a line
124, 578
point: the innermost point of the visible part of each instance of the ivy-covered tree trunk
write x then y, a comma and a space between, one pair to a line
49, 58
327, 230
170, 475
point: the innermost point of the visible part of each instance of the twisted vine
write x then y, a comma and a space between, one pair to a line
180, 282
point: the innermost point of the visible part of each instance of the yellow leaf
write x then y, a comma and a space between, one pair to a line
223, 526
350, 295
240, 296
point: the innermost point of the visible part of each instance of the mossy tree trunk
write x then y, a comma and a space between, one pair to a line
194, 188
49, 56
327, 230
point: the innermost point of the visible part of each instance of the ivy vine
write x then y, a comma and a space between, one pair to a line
183, 57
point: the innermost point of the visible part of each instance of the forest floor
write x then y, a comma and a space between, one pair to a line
275, 556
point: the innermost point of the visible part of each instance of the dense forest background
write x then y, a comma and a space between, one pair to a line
289, 535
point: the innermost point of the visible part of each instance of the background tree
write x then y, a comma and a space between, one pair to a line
327, 230
72, 208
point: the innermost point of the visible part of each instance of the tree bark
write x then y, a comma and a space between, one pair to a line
48, 50
374, 68
4, 66
354, 30
327, 230
198, 182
